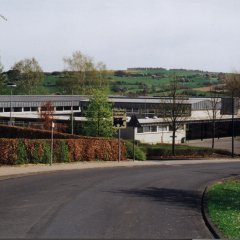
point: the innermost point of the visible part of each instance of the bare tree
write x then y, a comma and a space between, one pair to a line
175, 110
213, 109
46, 115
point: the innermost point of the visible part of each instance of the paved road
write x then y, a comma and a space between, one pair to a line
125, 202
221, 143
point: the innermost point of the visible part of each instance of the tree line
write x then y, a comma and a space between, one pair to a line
80, 76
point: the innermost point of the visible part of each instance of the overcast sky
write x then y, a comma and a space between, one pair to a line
192, 34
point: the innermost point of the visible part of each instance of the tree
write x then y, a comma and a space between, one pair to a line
232, 82
2, 80
30, 75
46, 115
82, 74
175, 110
213, 110
99, 115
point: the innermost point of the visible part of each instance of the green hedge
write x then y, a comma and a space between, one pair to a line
160, 151
139, 153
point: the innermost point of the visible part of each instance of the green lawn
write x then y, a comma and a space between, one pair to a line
224, 207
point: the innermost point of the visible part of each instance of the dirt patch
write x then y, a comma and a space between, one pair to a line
204, 89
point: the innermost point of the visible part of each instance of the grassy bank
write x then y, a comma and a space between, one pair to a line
224, 207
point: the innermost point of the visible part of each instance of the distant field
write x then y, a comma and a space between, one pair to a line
153, 82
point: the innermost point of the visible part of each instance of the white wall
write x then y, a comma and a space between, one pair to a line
159, 137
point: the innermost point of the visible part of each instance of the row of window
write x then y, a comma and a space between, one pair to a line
149, 129
159, 112
35, 109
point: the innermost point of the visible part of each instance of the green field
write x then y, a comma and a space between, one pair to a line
151, 82
224, 207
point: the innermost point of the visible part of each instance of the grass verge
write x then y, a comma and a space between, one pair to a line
224, 207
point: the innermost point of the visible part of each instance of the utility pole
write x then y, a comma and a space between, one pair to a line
72, 112
51, 160
10, 117
232, 126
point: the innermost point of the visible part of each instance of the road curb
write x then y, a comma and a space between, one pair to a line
211, 226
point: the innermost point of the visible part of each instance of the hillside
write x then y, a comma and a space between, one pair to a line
143, 81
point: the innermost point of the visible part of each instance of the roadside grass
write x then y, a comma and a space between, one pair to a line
224, 207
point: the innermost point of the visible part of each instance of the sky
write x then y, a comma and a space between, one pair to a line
190, 34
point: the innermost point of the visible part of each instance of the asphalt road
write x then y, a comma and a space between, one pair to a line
125, 202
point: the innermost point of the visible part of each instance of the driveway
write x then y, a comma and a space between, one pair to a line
221, 143
148, 202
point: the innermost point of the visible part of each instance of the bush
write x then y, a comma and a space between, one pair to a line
139, 153
63, 152
46, 153
22, 157
36, 155
160, 151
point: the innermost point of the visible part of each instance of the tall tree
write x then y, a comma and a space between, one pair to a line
30, 75
82, 74
3, 79
175, 110
99, 115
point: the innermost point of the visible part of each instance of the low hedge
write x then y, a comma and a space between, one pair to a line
162, 151
22, 151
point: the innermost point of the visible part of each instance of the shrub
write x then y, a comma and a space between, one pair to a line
46, 152
63, 153
36, 155
160, 151
22, 157
139, 153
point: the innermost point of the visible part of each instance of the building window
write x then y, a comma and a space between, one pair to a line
1, 109
17, 109
34, 109
59, 108
147, 129
6, 109
153, 128
162, 128
26, 109
67, 107
76, 108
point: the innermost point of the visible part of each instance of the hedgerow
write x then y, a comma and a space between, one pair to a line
19, 151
